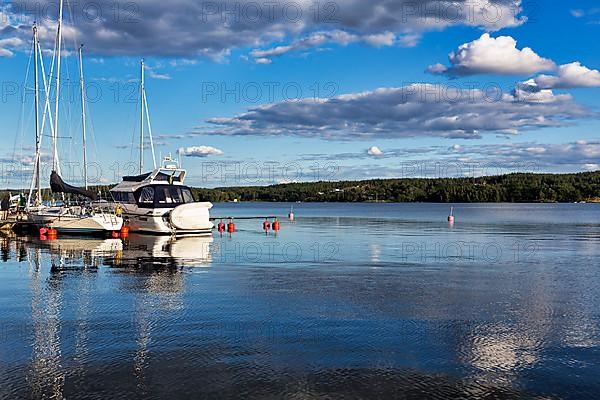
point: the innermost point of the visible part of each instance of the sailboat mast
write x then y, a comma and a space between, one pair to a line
37, 116
149, 128
35, 179
55, 166
81, 83
142, 90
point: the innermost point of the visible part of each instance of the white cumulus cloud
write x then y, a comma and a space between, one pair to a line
375, 151
569, 76
199, 151
488, 55
7, 44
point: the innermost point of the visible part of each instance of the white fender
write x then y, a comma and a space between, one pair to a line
191, 216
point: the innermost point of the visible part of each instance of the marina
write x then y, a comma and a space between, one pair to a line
156, 202
342, 200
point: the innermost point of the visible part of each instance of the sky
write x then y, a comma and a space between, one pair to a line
255, 93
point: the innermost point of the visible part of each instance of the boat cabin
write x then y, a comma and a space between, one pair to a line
155, 196
161, 188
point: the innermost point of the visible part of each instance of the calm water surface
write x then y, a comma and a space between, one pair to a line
373, 301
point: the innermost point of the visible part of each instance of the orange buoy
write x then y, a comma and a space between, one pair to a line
276, 226
124, 230
52, 234
231, 227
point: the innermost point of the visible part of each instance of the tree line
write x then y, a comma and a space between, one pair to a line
520, 187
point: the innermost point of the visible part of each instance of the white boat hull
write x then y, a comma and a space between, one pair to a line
159, 221
95, 223
69, 223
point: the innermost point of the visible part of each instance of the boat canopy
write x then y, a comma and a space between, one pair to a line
158, 175
59, 186
137, 178
162, 176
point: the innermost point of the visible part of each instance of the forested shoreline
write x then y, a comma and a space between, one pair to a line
505, 188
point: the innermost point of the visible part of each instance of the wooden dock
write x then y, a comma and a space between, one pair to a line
12, 225
7, 225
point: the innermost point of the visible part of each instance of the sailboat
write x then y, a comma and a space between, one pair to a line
86, 216
158, 202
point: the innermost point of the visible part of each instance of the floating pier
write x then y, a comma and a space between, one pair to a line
12, 225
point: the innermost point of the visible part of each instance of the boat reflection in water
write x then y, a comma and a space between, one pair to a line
143, 250
136, 251
65, 285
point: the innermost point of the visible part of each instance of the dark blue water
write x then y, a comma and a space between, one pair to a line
373, 301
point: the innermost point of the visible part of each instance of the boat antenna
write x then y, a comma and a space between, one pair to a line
81, 82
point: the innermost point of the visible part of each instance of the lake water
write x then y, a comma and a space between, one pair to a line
375, 301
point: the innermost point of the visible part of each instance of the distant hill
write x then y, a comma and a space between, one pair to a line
505, 188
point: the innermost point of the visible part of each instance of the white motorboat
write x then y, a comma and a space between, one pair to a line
158, 202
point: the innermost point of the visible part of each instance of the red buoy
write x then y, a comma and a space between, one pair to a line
115, 234
451, 216
266, 225
43, 231
221, 227
231, 227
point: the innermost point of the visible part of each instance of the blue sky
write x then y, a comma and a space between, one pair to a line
371, 91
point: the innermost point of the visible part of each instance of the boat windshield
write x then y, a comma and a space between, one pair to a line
165, 196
